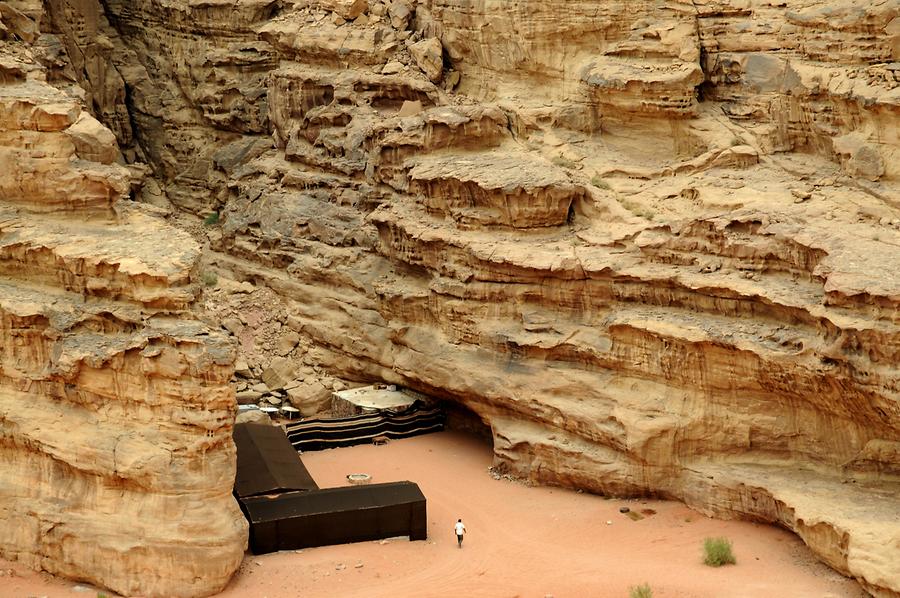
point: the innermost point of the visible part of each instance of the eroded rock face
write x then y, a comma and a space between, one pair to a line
116, 458
654, 246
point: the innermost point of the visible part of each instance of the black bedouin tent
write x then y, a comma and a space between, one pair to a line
335, 516
267, 463
313, 434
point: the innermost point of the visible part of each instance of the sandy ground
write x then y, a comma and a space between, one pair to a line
522, 541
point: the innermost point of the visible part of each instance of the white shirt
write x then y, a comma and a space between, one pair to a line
460, 528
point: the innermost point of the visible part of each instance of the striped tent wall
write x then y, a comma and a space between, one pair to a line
315, 434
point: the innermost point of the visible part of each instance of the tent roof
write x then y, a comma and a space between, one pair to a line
347, 499
267, 463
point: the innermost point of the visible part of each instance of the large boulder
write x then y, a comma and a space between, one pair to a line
280, 372
93, 141
858, 157
310, 397
429, 57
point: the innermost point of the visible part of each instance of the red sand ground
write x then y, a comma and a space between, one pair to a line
522, 541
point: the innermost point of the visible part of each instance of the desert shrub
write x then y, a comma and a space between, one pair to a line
639, 210
717, 552
641, 591
211, 219
597, 181
210, 279
564, 162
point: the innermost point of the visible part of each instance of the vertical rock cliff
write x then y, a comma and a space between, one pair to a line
653, 245
116, 459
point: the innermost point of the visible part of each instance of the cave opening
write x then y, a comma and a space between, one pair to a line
461, 418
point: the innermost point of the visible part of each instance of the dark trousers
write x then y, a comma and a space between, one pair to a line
459, 539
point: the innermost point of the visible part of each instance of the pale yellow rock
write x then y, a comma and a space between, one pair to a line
18, 23
311, 398
287, 343
93, 142
859, 158
399, 13
118, 463
653, 246
280, 372
392, 68
410, 108
253, 416
348, 9
665, 87
495, 189
428, 55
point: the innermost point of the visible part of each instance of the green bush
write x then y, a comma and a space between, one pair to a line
641, 591
638, 210
564, 162
210, 279
597, 181
717, 552
211, 219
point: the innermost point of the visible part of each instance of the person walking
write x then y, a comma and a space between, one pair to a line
460, 529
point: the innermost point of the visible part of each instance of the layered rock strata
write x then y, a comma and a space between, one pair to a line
116, 459
654, 246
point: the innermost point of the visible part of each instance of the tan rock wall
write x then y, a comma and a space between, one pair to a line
652, 245
116, 458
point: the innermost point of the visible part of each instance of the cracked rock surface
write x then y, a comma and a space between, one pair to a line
116, 458
654, 246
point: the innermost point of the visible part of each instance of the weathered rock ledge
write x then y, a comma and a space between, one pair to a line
653, 246
116, 458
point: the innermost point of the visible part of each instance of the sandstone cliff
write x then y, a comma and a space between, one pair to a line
653, 245
116, 459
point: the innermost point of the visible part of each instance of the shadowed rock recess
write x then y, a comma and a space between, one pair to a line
656, 246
